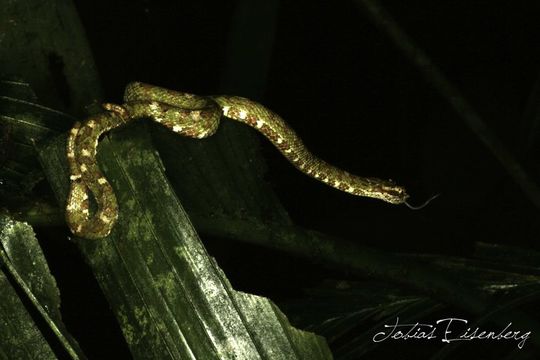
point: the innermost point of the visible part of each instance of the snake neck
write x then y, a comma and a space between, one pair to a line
283, 137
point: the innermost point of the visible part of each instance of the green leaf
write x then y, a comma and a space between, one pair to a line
24, 261
170, 297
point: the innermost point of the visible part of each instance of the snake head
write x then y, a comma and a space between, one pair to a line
388, 191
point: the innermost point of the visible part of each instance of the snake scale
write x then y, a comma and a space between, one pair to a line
197, 117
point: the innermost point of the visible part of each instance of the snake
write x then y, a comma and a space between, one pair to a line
197, 117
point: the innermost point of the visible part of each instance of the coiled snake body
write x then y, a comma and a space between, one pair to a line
197, 117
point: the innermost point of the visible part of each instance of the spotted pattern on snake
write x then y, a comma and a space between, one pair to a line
197, 117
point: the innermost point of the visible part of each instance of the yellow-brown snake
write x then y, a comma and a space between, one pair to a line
197, 117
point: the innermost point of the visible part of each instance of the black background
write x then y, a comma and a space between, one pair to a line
358, 103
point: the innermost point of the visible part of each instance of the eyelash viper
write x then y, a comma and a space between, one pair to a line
197, 117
